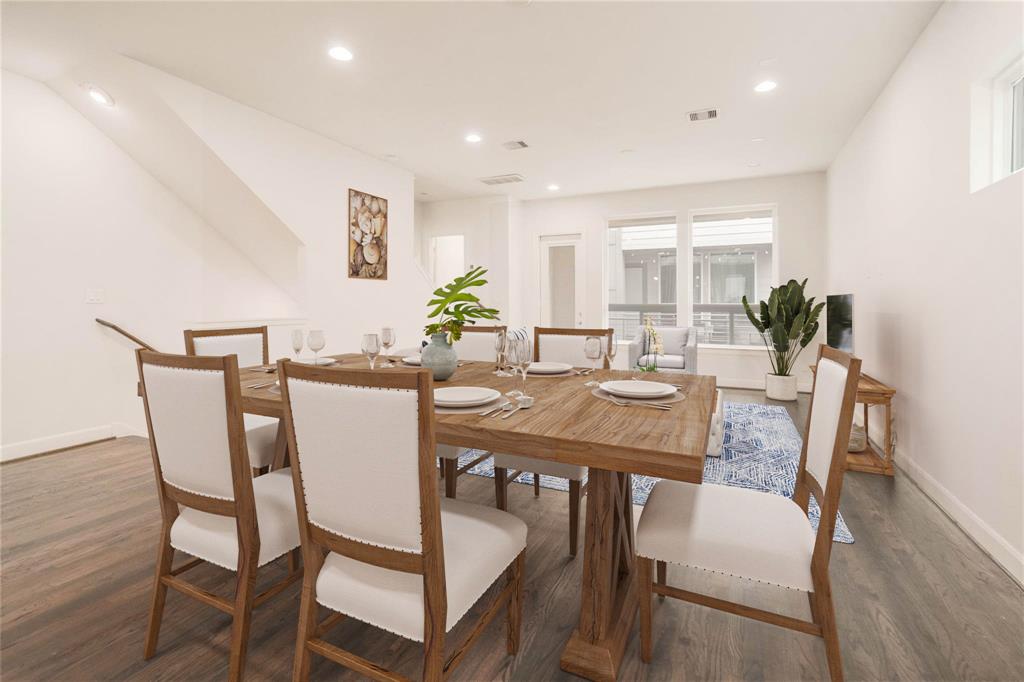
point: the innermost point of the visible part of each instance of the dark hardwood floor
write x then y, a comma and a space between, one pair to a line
915, 598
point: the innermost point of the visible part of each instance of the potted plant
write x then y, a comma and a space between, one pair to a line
787, 323
454, 307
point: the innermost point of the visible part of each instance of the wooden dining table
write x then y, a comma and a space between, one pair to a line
567, 423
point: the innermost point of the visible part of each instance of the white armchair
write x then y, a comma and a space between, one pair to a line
679, 345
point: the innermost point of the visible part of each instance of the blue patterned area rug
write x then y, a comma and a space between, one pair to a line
761, 452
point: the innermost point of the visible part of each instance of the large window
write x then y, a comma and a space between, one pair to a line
732, 258
642, 271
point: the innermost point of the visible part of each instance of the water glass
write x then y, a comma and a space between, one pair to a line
592, 349
611, 349
371, 347
501, 351
520, 355
316, 343
387, 340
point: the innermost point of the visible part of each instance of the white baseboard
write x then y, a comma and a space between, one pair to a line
991, 542
121, 429
27, 448
756, 384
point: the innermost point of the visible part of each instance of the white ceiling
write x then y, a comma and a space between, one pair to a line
579, 82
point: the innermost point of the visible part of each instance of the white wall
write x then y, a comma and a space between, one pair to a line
799, 249
486, 224
936, 274
80, 213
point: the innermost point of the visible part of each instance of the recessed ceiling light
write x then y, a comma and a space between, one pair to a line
99, 95
552, 188
473, 138
753, 164
757, 139
765, 86
342, 54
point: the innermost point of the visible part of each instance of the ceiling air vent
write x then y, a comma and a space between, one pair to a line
703, 115
502, 179
513, 145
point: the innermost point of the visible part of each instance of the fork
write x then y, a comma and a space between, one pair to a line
263, 385
657, 406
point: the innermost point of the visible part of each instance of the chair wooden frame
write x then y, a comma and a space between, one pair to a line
317, 542
577, 489
450, 469
823, 622
192, 334
242, 508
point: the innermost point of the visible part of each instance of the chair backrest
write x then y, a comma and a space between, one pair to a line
362, 445
477, 343
829, 419
565, 344
196, 432
248, 343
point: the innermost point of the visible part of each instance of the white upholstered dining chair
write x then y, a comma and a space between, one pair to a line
755, 535
250, 345
378, 543
552, 344
210, 505
477, 343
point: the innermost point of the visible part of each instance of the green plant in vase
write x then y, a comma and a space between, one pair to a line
654, 346
787, 322
454, 306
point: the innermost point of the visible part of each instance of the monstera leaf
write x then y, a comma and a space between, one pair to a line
456, 307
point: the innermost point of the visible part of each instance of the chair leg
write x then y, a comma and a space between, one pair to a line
450, 477
501, 488
574, 516
244, 593
164, 557
433, 660
440, 465
307, 619
824, 610
646, 591
514, 575
662, 571
293, 559
536, 485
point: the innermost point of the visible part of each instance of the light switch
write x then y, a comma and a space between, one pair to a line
95, 296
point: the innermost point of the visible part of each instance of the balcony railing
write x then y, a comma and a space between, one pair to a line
716, 323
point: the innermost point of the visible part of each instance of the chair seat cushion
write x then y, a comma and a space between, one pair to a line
740, 532
215, 538
667, 361
450, 451
573, 472
479, 544
260, 435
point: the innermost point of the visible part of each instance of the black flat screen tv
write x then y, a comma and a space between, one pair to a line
839, 322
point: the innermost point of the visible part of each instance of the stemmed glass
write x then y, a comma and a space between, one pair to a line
520, 355
316, 342
387, 340
371, 347
592, 349
501, 343
611, 349
298, 341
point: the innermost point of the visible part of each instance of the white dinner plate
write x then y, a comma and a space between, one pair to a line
638, 389
412, 360
319, 361
464, 396
548, 368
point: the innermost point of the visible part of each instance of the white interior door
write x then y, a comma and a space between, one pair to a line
562, 292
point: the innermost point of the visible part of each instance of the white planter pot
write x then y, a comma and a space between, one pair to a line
780, 387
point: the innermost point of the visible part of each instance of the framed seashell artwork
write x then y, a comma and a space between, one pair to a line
367, 236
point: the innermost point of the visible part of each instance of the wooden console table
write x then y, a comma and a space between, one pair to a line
871, 391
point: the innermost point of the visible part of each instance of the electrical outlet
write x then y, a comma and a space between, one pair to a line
94, 296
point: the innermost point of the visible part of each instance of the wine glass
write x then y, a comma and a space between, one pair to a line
371, 347
500, 350
387, 340
611, 349
592, 349
316, 342
298, 341
520, 354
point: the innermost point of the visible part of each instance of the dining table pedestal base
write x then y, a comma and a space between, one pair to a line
608, 603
